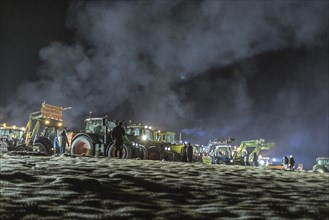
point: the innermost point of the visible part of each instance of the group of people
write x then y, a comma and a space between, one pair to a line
187, 153
60, 143
288, 163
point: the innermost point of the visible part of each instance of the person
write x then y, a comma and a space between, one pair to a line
285, 162
55, 145
255, 160
189, 153
184, 154
118, 135
291, 163
62, 142
245, 156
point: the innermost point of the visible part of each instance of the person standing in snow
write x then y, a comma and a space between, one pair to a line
245, 156
291, 163
189, 153
184, 153
255, 160
285, 162
62, 142
118, 137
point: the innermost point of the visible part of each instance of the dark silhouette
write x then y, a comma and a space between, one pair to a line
189, 152
291, 163
118, 135
255, 160
62, 142
184, 155
245, 156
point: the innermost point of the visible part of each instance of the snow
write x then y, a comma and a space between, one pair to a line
39, 187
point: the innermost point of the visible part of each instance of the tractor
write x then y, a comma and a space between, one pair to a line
258, 146
9, 137
96, 140
220, 150
158, 143
41, 129
322, 165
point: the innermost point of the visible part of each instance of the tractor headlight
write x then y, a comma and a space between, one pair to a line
262, 162
144, 137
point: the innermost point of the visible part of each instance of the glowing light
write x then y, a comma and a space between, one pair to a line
60, 124
145, 126
4, 125
262, 162
14, 127
46, 122
144, 137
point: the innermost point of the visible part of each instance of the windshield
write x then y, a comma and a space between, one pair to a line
95, 126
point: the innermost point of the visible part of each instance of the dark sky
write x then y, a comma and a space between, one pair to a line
208, 69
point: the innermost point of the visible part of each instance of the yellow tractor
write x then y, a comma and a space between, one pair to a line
41, 129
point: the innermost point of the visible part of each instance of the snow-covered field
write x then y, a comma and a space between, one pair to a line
66, 187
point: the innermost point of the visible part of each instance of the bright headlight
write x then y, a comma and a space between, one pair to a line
261, 162
144, 137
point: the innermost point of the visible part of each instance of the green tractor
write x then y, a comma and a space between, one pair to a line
220, 150
9, 137
158, 144
322, 165
96, 140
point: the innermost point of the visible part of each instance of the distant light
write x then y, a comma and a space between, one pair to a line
47, 122
274, 159
60, 124
14, 127
262, 162
144, 137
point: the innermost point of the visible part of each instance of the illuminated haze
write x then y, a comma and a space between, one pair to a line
208, 69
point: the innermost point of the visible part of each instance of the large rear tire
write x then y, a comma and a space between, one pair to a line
126, 154
143, 153
82, 146
153, 153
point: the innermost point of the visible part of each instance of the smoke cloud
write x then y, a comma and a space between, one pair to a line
211, 69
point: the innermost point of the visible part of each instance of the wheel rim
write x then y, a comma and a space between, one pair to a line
82, 148
153, 156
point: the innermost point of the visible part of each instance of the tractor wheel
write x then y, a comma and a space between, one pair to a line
20, 148
43, 146
82, 146
319, 170
126, 154
153, 154
143, 153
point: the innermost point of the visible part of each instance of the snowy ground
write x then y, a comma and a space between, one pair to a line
100, 188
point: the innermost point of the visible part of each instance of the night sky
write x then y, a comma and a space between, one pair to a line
208, 69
